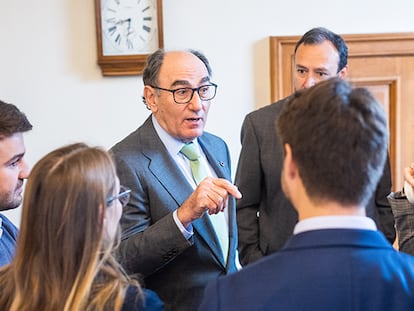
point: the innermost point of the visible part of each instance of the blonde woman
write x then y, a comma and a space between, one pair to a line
64, 261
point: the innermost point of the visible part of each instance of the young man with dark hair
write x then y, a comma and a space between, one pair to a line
13, 171
335, 145
265, 217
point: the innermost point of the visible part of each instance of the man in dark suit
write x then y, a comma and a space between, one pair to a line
335, 144
265, 218
169, 232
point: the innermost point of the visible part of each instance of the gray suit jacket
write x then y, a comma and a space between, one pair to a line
152, 245
403, 212
265, 218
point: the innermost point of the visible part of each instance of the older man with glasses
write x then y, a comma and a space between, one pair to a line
179, 228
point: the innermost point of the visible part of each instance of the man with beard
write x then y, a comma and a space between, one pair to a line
13, 170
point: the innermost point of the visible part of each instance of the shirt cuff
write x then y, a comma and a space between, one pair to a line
398, 195
187, 232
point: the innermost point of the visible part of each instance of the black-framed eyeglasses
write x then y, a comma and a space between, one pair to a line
185, 95
123, 196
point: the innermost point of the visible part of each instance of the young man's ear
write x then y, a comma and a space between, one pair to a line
289, 165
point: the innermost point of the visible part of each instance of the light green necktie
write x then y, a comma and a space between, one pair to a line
197, 169
190, 151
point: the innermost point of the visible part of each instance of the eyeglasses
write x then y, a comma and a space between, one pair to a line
185, 95
123, 196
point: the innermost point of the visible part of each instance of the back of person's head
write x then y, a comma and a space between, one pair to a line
338, 136
12, 120
62, 249
318, 35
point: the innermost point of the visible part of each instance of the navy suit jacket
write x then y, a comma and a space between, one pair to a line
330, 269
149, 301
152, 245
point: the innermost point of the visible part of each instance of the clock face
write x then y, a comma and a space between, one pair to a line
129, 27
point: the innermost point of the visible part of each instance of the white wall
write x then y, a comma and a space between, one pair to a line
48, 61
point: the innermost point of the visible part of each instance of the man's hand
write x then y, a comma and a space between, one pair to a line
210, 196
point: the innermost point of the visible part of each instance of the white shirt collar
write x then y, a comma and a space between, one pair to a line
172, 144
335, 222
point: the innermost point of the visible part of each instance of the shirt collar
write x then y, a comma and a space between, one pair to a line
335, 222
172, 144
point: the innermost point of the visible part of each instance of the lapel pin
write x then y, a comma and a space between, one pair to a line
221, 164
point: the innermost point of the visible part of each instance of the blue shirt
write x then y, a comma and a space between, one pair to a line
8, 237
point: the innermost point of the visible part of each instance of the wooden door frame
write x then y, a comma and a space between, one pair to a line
359, 46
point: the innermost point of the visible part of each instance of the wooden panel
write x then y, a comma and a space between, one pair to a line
385, 91
384, 63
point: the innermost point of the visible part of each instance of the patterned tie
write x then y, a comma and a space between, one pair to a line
190, 151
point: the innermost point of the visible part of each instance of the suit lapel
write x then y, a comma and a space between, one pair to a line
218, 160
164, 168
203, 225
162, 165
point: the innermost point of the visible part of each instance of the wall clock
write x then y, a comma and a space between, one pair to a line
127, 32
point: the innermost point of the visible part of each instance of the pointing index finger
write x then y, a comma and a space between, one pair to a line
229, 187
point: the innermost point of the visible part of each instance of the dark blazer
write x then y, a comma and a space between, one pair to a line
258, 178
403, 212
331, 269
152, 245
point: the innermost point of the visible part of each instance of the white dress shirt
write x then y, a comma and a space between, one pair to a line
174, 146
335, 222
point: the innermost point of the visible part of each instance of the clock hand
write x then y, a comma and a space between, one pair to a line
122, 21
129, 30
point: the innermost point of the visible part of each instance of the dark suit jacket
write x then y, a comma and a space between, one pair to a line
331, 269
258, 178
152, 245
403, 212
